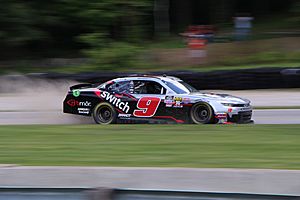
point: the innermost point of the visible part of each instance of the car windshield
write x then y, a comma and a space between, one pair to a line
180, 87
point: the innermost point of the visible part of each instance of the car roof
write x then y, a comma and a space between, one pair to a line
147, 77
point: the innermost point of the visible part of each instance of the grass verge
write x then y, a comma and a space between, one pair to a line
237, 146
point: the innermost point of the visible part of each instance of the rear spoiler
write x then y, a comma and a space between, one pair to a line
80, 86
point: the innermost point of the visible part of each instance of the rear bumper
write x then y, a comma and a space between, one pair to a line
242, 117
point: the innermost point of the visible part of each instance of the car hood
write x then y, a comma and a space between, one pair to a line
226, 98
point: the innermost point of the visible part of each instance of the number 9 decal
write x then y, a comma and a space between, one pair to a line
147, 107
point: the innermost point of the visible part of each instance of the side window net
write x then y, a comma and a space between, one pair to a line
120, 87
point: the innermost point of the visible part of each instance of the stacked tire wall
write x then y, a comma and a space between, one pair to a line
262, 78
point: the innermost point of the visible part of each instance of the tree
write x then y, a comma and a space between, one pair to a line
161, 17
116, 28
18, 21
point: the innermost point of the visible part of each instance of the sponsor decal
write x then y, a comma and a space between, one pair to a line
177, 98
83, 110
169, 105
76, 93
115, 101
73, 103
175, 102
131, 87
85, 104
222, 117
124, 115
169, 101
186, 100
169, 97
178, 104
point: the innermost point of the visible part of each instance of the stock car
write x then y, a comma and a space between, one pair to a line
156, 99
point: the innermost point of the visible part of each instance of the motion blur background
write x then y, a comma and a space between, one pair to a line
250, 47
71, 36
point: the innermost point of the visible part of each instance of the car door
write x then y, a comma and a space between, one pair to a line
150, 95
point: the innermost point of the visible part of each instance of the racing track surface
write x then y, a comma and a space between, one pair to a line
276, 116
192, 179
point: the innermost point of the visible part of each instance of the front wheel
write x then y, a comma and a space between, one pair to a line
104, 113
202, 113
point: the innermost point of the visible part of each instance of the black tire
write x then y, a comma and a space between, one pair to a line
104, 113
202, 113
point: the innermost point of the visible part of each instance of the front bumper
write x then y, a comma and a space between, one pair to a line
242, 117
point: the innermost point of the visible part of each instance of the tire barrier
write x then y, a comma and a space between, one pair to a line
243, 79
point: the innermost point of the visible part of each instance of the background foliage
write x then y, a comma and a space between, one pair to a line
115, 34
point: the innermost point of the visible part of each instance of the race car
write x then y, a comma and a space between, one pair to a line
155, 99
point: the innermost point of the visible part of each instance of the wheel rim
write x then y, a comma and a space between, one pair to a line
104, 114
202, 113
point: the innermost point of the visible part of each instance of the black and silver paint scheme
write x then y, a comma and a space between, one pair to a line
157, 99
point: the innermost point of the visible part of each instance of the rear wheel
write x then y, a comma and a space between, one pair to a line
104, 113
202, 113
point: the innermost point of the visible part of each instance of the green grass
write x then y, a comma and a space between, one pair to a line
236, 146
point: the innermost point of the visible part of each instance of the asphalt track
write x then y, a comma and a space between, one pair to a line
259, 181
267, 116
